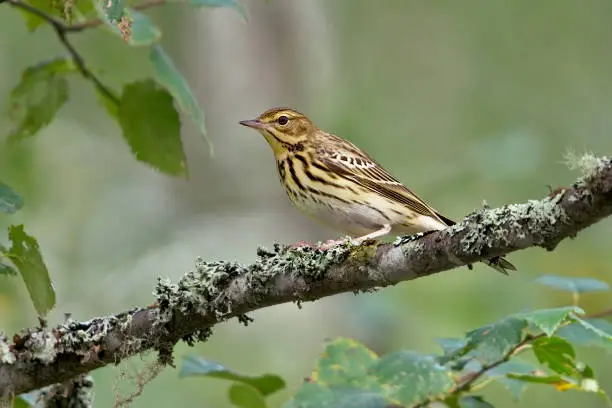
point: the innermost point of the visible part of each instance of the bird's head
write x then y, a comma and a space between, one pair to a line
285, 129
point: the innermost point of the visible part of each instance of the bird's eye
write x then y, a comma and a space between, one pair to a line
282, 120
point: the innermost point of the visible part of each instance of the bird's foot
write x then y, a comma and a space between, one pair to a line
330, 243
410, 238
302, 244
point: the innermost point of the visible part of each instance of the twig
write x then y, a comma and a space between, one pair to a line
467, 381
217, 291
61, 29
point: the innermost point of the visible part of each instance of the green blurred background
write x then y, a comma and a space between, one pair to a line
463, 101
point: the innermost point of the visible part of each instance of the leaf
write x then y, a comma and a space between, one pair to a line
113, 9
557, 354
451, 346
141, 31
344, 362
317, 396
474, 401
20, 402
266, 384
245, 396
26, 256
577, 333
10, 201
411, 378
605, 337
561, 384
493, 342
49, 7
169, 76
40, 94
549, 320
234, 4
7, 269
151, 126
515, 387
144, 31
574, 285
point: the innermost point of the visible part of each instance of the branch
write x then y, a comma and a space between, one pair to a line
217, 291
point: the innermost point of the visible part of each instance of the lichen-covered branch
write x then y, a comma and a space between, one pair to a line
217, 291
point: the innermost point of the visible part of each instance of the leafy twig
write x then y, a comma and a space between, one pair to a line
61, 29
467, 381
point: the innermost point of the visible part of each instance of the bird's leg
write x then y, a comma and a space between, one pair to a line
373, 235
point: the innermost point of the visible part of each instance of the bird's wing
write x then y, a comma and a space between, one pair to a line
347, 160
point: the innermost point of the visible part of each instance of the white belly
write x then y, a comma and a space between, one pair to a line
357, 219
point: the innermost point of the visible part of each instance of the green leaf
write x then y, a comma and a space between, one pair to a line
10, 201
411, 378
318, 396
494, 342
345, 362
451, 346
550, 320
7, 269
169, 76
474, 401
605, 337
26, 256
500, 372
151, 126
234, 4
574, 285
245, 396
49, 7
113, 9
144, 31
579, 334
555, 353
42, 91
266, 384
21, 403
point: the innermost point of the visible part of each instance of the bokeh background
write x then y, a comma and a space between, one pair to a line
463, 101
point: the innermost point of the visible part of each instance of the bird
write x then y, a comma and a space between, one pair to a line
334, 182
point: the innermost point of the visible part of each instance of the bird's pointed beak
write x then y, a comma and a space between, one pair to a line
252, 123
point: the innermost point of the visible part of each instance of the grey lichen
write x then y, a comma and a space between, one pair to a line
40, 345
88, 338
6, 355
503, 226
75, 393
209, 289
589, 164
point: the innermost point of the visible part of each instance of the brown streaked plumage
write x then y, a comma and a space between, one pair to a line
336, 183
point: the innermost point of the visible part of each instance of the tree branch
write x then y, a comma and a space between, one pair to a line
218, 291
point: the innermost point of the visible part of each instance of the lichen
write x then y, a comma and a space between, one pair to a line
207, 290
75, 393
6, 355
41, 346
500, 226
588, 164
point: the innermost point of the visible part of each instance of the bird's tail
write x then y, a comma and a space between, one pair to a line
500, 265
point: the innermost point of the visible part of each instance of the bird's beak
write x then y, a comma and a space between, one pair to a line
253, 123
